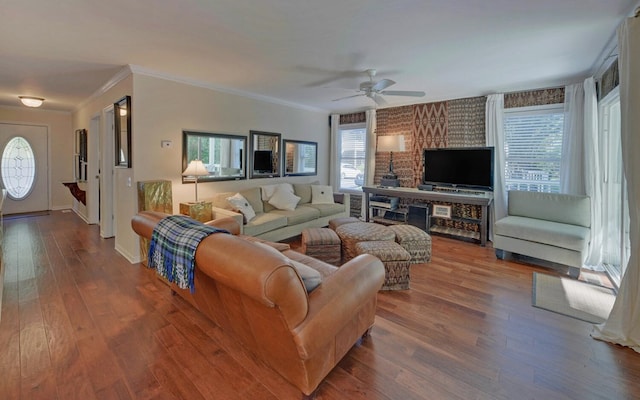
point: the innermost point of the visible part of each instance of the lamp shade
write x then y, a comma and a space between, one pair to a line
195, 168
30, 101
391, 143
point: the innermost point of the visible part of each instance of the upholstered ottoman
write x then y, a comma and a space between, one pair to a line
351, 234
416, 241
336, 222
396, 260
323, 244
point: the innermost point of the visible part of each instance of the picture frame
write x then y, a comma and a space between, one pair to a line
441, 211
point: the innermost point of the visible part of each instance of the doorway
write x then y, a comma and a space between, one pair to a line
25, 168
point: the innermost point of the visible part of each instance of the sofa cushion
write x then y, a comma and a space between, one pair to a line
283, 199
253, 196
322, 267
567, 236
220, 200
563, 208
310, 277
321, 194
303, 190
264, 222
327, 209
300, 215
267, 191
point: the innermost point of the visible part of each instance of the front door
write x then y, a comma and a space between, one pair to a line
24, 168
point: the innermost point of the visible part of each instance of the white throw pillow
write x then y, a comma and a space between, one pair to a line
321, 194
241, 204
283, 199
269, 190
310, 277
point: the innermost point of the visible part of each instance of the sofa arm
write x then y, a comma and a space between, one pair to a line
335, 302
218, 213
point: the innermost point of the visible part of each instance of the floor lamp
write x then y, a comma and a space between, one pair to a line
195, 168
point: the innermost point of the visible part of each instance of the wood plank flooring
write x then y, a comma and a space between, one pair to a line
80, 322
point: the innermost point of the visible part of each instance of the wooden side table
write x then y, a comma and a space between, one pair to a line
200, 211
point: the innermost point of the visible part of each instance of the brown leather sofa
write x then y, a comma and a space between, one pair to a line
257, 297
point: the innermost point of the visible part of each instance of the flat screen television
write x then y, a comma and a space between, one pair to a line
467, 168
263, 161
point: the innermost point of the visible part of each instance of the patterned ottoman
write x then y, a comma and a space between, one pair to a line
351, 234
416, 241
336, 222
323, 244
396, 262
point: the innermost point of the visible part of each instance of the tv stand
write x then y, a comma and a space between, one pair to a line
459, 196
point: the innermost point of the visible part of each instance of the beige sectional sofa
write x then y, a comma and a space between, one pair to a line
547, 226
271, 223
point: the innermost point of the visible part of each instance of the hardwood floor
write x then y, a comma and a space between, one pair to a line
80, 322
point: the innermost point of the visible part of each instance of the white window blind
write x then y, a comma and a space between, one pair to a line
533, 148
352, 157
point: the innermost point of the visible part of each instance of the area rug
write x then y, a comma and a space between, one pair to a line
573, 298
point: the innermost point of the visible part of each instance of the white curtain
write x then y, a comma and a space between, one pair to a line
572, 162
593, 175
370, 147
623, 325
495, 138
370, 163
334, 167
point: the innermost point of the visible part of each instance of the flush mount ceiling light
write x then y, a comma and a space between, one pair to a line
31, 101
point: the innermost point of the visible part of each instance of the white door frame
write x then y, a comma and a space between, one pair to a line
93, 168
107, 192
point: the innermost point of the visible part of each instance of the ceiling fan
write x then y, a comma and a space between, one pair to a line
375, 90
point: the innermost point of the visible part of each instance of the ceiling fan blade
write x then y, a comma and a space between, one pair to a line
348, 97
403, 93
382, 84
379, 100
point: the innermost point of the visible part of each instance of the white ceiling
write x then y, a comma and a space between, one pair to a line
303, 52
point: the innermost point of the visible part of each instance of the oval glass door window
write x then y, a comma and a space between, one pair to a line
18, 169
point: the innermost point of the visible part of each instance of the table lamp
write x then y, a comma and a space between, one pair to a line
195, 168
391, 144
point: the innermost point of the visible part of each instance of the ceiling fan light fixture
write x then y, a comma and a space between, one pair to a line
31, 101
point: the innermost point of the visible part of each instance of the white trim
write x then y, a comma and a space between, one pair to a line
117, 78
136, 69
541, 109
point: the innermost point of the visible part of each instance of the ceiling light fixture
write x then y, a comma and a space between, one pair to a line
31, 101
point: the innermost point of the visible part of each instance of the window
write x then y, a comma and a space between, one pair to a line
18, 168
352, 156
533, 148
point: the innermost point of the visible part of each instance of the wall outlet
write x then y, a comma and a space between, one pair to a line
165, 144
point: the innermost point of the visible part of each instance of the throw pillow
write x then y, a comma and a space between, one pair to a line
241, 204
283, 199
321, 194
269, 190
310, 277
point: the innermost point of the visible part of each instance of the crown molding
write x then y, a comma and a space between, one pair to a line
123, 73
136, 69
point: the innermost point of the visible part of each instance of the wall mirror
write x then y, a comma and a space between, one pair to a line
300, 158
224, 156
264, 155
80, 156
122, 131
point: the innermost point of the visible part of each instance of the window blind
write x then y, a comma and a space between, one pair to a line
533, 149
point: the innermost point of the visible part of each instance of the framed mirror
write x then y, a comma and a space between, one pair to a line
224, 156
80, 155
264, 155
122, 131
300, 158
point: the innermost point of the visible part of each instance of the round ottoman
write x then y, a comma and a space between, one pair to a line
416, 241
336, 222
351, 234
323, 244
396, 262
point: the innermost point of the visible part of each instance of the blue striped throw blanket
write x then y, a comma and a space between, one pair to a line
173, 247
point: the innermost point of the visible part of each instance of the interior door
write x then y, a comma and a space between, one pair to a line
37, 198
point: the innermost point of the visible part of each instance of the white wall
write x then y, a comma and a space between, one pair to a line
61, 133
162, 109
